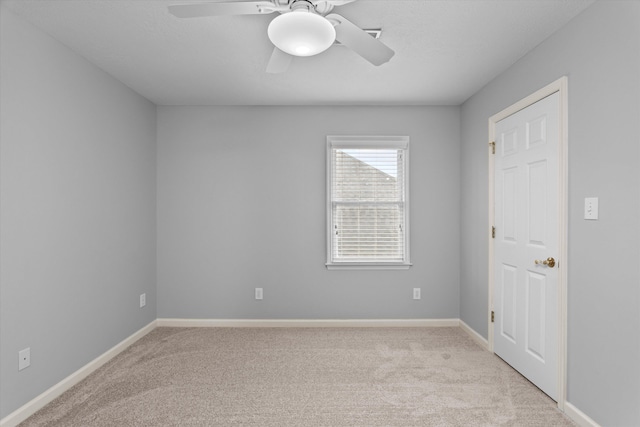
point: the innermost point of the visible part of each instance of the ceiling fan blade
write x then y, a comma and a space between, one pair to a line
350, 35
339, 2
279, 62
225, 8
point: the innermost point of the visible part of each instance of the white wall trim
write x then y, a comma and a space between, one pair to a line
306, 323
35, 404
578, 416
479, 339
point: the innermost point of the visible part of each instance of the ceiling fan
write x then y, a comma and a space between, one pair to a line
303, 28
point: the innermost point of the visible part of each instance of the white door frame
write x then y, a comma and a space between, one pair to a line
560, 86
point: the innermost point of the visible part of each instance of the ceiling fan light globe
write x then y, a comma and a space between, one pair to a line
301, 33
302, 50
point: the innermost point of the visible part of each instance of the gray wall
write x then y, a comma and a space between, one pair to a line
599, 51
77, 153
241, 204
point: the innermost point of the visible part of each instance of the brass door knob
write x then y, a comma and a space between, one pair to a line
549, 262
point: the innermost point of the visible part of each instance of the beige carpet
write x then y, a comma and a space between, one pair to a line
303, 377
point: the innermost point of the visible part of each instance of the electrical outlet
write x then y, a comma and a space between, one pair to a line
416, 293
24, 358
143, 300
258, 293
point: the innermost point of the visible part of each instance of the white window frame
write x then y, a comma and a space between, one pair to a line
346, 142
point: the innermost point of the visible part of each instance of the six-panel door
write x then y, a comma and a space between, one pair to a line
526, 218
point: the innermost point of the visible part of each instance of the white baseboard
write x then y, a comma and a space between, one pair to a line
306, 323
578, 416
31, 407
479, 339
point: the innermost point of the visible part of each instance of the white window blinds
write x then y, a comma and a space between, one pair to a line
368, 211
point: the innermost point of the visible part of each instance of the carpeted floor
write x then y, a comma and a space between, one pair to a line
303, 377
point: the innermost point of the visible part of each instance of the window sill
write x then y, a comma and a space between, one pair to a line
367, 266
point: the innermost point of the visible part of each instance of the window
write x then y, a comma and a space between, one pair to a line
367, 202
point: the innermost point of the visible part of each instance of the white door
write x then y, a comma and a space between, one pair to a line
526, 190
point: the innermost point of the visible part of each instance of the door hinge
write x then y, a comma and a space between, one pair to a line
493, 316
492, 144
493, 232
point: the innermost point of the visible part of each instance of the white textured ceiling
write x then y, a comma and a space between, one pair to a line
446, 50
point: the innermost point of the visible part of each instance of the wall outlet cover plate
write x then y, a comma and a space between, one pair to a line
24, 358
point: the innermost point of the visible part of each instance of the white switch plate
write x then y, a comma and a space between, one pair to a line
258, 293
143, 300
591, 208
24, 358
416, 293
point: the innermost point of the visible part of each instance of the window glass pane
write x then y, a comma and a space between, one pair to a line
367, 175
367, 197
369, 232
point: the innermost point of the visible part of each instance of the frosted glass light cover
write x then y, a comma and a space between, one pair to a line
301, 33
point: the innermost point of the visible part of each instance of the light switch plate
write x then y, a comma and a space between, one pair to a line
591, 208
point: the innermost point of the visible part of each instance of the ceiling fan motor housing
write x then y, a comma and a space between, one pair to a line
322, 7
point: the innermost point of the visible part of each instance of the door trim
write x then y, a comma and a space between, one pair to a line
559, 86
